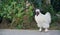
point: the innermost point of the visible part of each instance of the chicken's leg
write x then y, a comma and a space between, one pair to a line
40, 29
46, 29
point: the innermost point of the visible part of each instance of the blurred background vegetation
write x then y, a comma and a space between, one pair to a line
19, 14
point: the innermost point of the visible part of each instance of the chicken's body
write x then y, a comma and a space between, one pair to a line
43, 21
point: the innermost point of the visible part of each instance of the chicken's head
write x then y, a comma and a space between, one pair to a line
37, 11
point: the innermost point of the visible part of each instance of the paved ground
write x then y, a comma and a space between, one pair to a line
28, 32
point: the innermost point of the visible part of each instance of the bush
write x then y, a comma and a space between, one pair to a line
13, 10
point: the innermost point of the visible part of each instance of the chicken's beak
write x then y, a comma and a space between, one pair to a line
37, 13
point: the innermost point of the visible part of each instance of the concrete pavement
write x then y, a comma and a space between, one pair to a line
27, 32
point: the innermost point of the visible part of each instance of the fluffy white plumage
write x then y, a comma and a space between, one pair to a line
43, 21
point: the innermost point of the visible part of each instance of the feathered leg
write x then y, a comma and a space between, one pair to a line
40, 29
46, 29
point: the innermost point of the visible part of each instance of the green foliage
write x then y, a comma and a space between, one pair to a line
15, 11
30, 13
56, 5
36, 3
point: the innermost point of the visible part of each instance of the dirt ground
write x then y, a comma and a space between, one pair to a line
7, 25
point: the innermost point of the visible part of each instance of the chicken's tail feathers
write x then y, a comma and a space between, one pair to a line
48, 16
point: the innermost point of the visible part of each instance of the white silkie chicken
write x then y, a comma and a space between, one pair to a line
43, 21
